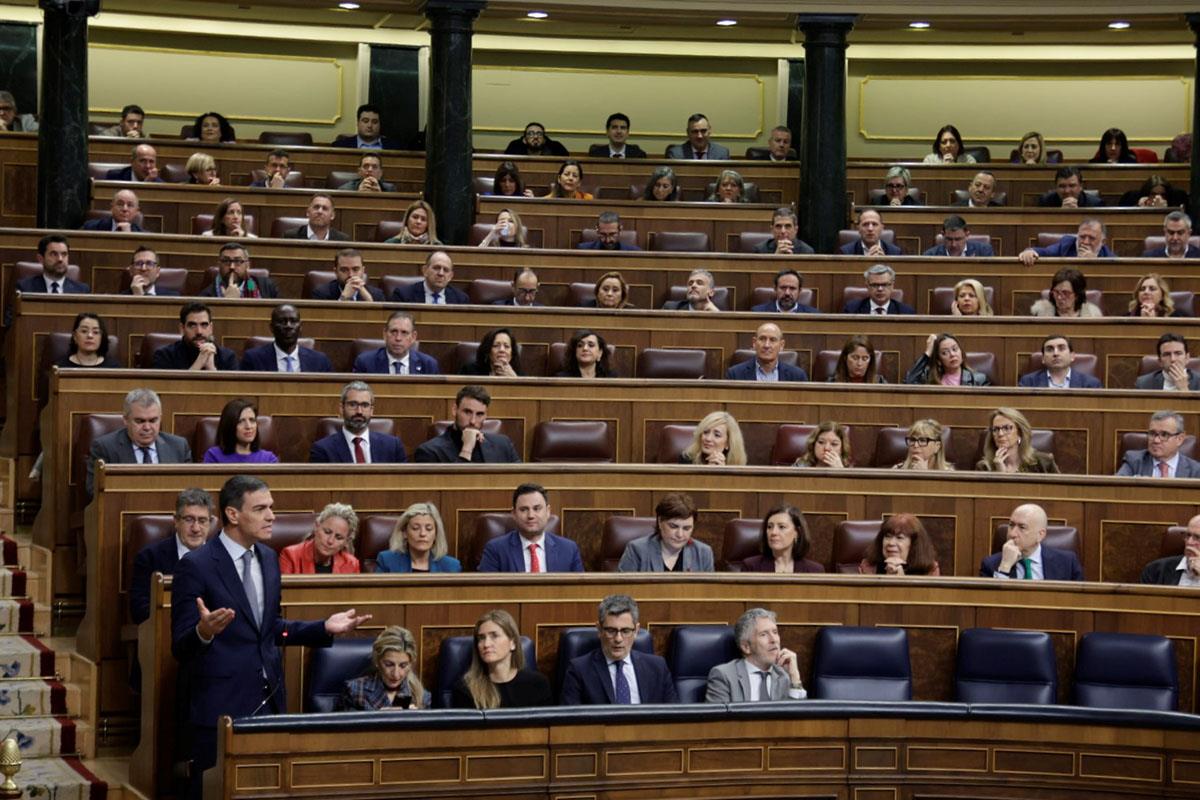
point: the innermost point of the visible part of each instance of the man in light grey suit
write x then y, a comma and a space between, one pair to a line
698, 144
767, 670
1174, 375
141, 440
1161, 458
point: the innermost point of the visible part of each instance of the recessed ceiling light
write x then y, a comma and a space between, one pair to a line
920, 26
537, 15
1120, 25
727, 23
349, 6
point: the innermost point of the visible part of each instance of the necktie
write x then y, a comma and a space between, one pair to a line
879, 310
621, 685
437, 298
248, 585
534, 564
398, 367
1027, 565
1163, 470
287, 361
359, 456
54, 287
763, 692
147, 457
618, 155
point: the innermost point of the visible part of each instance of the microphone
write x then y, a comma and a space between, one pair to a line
270, 696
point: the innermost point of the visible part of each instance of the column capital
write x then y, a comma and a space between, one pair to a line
825, 28
452, 8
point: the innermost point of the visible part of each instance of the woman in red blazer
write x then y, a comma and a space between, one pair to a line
328, 549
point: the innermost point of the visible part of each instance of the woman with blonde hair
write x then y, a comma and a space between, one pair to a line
1031, 149
1008, 446
497, 677
328, 549
392, 683
1152, 298
611, 291
924, 443
202, 169
717, 442
418, 543
970, 300
507, 232
420, 225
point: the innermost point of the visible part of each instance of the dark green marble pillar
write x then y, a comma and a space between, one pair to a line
1194, 189
62, 133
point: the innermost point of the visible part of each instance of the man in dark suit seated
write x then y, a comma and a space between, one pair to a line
234, 279
766, 671
321, 215
279, 164
779, 146
369, 135
193, 520
143, 275
870, 238
435, 289
1176, 570
615, 673
54, 254
370, 176
783, 241
226, 625
1177, 230
141, 441
608, 234
788, 283
285, 353
120, 217
701, 287
766, 366
525, 289
356, 443
351, 282
698, 145
1057, 358
464, 441
980, 192
1173, 374
143, 166
881, 283
1161, 458
399, 355
956, 241
530, 548
197, 348
1024, 558
617, 126
1068, 191
1088, 242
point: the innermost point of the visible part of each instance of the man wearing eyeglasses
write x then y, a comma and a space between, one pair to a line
525, 289
1161, 458
608, 234
356, 443
881, 285
616, 673
1176, 571
193, 521
143, 275
234, 279
1173, 375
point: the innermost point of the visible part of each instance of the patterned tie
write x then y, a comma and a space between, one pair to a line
147, 455
621, 685
287, 361
1027, 565
1163, 470
359, 456
764, 693
248, 585
534, 564
437, 298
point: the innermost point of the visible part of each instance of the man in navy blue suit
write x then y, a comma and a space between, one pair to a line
54, 254
615, 673
143, 166
531, 548
285, 353
143, 275
1177, 230
193, 520
1088, 242
956, 241
608, 234
369, 134
226, 627
870, 238
122, 212
399, 355
525, 288
881, 284
438, 271
766, 366
1057, 358
788, 283
1068, 191
351, 283
1024, 558
783, 241
356, 443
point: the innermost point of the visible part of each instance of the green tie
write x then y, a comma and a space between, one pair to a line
1027, 565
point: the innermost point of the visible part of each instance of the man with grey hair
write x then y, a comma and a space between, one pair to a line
608, 234
1088, 242
615, 673
1161, 458
356, 443
783, 241
701, 286
766, 671
1177, 230
141, 441
194, 514
881, 284
11, 119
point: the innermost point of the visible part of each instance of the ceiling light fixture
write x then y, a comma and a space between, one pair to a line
349, 6
920, 26
1120, 25
537, 15
727, 23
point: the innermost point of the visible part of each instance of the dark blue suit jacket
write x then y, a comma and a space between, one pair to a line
125, 174
1040, 380
856, 248
387, 142
1066, 248
506, 554
262, 359
1161, 252
376, 362
588, 682
771, 308
105, 223
595, 245
747, 371
334, 450
864, 307
972, 249
333, 291
227, 673
159, 291
1057, 565
161, 556
35, 284
415, 293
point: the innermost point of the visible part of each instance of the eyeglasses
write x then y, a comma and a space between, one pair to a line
614, 633
354, 405
192, 521
1156, 435
526, 292
1189, 536
920, 441
1003, 428
237, 262
881, 285
145, 264
897, 186
1063, 292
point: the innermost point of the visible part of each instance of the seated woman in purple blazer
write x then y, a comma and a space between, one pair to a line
418, 543
785, 543
237, 436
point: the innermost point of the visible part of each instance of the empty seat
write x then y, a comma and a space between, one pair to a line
790, 443
980, 153
722, 296
286, 138
861, 664
575, 441
851, 538
1173, 541
330, 667
1060, 537
998, 666
387, 228
174, 173
374, 536
941, 299
743, 539
453, 659
485, 291
579, 293
291, 527
98, 170
673, 441
693, 650
483, 184
391, 283
153, 341
679, 242
576, 642
619, 531
661, 362
982, 362
1126, 670
284, 225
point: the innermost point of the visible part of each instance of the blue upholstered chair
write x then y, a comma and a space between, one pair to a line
454, 657
1126, 670
1006, 667
861, 664
330, 667
693, 651
575, 642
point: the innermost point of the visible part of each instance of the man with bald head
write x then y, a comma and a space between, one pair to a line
1175, 570
143, 166
870, 240
1023, 557
766, 366
121, 216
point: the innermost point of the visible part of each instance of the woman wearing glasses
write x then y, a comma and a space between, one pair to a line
895, 187
1009, 446
924, 443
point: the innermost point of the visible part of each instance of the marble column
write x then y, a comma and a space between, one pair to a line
1194, 188
822, 206
63, 192
448, 131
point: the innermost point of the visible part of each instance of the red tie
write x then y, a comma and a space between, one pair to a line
359, 456
534, 564
1162, 470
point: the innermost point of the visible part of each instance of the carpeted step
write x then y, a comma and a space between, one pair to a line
8, 551
37, 697
39, 737
13, 582
16, 616
59, 779
25, 656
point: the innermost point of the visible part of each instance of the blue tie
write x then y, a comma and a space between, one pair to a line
287, 360
621, 690
437, 298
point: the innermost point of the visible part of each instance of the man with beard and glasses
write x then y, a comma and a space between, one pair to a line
355, 443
